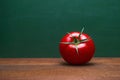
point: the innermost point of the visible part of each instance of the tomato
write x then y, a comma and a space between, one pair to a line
77, 47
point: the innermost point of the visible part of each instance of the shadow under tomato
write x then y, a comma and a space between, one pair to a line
87, 64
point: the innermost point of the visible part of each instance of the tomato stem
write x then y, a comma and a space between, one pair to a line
85, 40
67, 42
76, 41
81, 32
76, 47
70, 34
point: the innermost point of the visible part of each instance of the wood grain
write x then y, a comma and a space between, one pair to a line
57, 69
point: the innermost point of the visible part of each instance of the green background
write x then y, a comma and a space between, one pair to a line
33, 28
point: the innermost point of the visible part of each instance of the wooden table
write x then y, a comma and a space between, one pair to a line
57, 69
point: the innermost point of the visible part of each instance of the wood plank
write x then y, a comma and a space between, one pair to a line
57, 69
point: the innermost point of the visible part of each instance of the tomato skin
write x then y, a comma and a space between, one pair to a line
85, 49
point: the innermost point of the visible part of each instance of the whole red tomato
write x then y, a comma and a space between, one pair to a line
77, 47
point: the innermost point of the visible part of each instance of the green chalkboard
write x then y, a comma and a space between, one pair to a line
33, 28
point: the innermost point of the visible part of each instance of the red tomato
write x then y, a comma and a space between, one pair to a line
77, 48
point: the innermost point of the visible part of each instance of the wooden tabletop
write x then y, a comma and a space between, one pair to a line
57, 69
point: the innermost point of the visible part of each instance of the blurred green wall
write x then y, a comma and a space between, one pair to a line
33, 28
